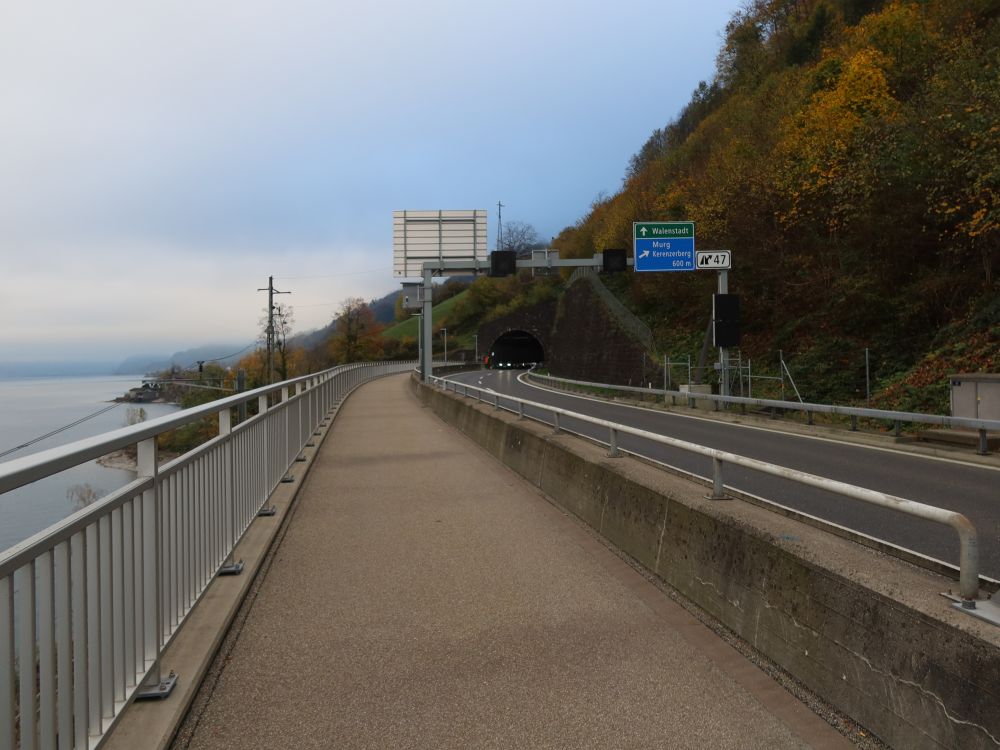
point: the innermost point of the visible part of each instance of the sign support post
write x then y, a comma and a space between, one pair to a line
723, 352
426, 323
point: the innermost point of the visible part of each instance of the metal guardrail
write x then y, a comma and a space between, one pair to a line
982, 426
88, 605
967, 535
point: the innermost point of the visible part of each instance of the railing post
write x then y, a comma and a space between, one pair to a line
613, 441
854, 423
7, 660
154, 686
229, 567
555, 421
520, 409
984, 443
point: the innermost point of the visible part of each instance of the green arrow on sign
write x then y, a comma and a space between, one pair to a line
662, 229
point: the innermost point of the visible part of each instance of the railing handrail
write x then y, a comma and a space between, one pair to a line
856, 411
20, 471
89, 605
968, 537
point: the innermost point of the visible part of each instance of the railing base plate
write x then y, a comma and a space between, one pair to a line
232, 569
267, 511
982, 609
158, 692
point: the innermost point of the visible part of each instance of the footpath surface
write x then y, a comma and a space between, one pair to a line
423, 596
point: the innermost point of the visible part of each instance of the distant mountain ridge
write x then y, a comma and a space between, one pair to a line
142, 364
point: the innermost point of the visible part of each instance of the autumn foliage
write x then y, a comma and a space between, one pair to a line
848, 153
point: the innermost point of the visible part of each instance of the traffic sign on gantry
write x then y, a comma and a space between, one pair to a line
452, 236
715, 260
663, 245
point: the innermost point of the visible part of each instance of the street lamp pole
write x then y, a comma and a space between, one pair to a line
444, 332
475, 336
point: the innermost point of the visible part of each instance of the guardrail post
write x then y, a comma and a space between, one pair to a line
896, 430
496, 400
968, 563
809, 417
520, 409
854, 423
613, 442
718, 492
555, 422
984, 443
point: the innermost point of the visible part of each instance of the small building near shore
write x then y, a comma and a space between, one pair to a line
144, 394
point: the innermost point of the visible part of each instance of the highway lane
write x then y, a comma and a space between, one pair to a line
969, 489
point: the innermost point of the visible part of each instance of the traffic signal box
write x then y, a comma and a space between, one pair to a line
503, 263
615, 260
726, 320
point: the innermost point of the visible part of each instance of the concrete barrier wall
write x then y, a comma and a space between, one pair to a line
868, 633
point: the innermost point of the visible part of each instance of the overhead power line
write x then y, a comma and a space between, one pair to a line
224, 356
332, 275
38, 439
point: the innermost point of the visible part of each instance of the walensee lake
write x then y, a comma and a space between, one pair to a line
32, 407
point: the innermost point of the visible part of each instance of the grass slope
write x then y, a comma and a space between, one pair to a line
408, 328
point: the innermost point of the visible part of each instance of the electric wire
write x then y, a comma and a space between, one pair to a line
224, 356
332, 275
38, 439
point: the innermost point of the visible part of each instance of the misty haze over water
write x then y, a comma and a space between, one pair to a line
31, 407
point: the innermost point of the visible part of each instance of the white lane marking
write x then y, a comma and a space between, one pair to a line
835, 441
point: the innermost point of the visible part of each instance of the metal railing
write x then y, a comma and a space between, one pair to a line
967, 536
88, 606
981, 426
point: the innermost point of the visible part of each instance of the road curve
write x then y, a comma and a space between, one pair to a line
972, 490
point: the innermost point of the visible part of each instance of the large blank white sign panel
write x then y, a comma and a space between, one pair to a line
438, 236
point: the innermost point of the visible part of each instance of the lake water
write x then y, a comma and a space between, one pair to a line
31, 407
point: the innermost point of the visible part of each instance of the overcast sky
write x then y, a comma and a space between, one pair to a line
158, 161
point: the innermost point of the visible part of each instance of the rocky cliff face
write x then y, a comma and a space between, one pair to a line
580, 338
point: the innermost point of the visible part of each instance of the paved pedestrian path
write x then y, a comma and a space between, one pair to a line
423, 596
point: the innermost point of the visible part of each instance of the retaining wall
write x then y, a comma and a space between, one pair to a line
868, 633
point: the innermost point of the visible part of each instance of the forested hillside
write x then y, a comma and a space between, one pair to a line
848, 153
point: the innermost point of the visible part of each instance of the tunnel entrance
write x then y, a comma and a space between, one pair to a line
516, 350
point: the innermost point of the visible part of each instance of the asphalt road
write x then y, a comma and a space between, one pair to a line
969, 489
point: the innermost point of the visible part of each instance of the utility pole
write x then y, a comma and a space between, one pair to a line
271, 291
499, 225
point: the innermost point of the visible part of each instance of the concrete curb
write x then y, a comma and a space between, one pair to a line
152, 725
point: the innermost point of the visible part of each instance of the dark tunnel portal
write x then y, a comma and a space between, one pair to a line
516, 350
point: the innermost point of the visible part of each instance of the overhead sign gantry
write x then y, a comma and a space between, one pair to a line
453, 242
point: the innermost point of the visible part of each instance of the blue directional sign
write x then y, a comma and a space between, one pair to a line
664, 245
